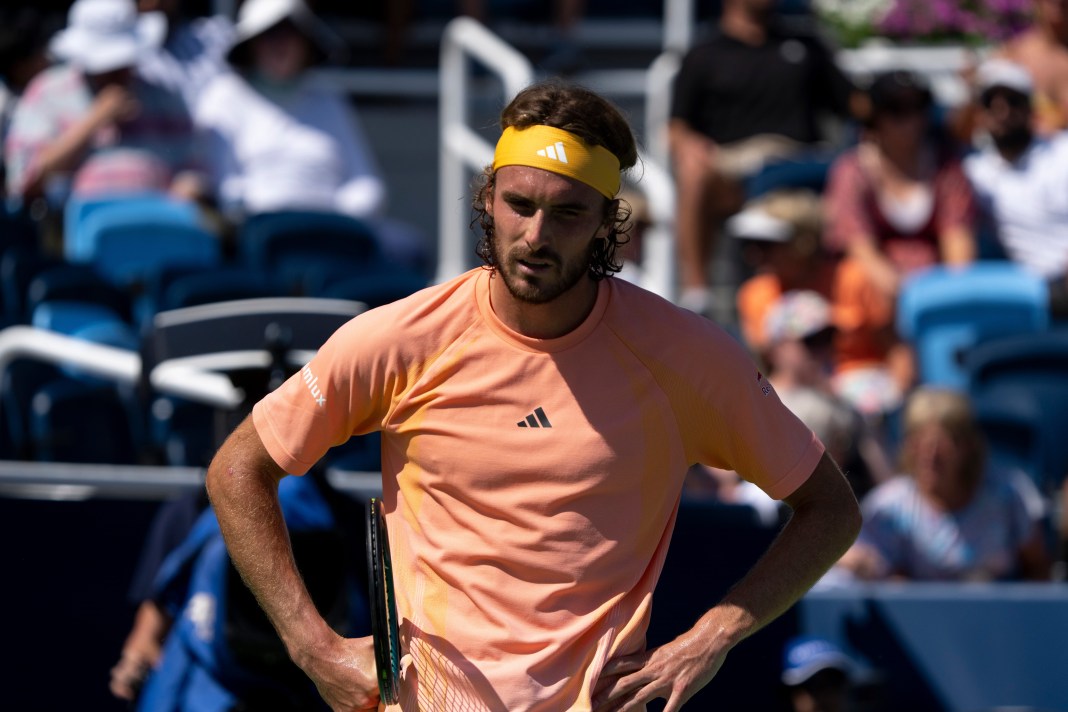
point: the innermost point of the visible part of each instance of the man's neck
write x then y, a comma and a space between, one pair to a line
743, 25
550, 320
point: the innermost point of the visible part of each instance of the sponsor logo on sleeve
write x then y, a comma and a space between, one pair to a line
312, 382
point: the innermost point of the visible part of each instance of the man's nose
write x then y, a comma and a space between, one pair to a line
537, 233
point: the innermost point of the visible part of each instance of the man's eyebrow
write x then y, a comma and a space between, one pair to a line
516, 197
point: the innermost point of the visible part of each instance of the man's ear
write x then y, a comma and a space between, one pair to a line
489, 200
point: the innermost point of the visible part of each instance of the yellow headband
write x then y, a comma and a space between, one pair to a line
562, 152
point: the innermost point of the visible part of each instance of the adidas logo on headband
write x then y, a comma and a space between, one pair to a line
555, 152
562, 152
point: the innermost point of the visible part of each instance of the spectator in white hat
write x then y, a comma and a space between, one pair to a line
1020, 178
282, 142
92, 119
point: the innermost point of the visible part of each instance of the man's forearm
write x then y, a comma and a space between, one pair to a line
825, 522
245, 499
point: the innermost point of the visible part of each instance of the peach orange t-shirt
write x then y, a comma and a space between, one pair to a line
531, 486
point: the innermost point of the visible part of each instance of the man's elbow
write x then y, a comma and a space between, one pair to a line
853, 520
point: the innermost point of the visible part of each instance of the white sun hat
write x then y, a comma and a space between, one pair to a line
105, 35
257, 16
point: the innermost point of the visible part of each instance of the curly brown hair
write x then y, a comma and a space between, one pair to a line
593, 119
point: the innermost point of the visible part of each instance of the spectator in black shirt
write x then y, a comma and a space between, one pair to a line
751, 93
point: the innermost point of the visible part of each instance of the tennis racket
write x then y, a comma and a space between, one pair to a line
384, 624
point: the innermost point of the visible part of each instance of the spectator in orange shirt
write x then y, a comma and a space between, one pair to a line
780, 236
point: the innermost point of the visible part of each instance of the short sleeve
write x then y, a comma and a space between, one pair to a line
734, 420
343, 391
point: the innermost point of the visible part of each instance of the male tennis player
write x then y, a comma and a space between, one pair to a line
537, 420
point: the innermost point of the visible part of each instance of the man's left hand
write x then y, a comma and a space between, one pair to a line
674, 672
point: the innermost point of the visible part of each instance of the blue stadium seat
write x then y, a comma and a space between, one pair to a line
182, 432
179, 287
803, 172
128, 254
73, 318
18, 382
72, 421
376, 287
82, 218
75, 283
1019, 385
944, 312
19, 265
306, 247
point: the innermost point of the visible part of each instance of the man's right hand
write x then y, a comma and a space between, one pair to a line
114, 104
344, 673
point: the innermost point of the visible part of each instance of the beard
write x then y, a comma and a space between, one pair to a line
560, 277
1013, 141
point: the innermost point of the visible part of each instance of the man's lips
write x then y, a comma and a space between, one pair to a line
535, 264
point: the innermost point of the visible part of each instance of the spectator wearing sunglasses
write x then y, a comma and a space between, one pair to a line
1020, 178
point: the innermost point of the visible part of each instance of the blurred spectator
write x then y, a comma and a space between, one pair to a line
92, 118
949, 517
899, 200
221, 653
280, 142
752, 93
780, 236
1021, 179
563, 55
799, 356
193, 51
817, 675
143, 644
24, 35
1043, 51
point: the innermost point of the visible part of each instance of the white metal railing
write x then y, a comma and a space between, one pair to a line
678, 25
116, 364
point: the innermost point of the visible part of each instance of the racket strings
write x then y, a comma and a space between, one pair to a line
440, 684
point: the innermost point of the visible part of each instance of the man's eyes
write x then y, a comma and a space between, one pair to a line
527, 209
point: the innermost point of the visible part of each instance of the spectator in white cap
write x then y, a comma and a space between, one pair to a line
1020, 178
779, 234
817, 675
93, 119
779, 237
1043, 50
800, 329
281, 141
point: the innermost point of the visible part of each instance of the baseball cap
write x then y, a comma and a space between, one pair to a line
1003, 73
804, 656
755, 223
796, 315
104, 35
